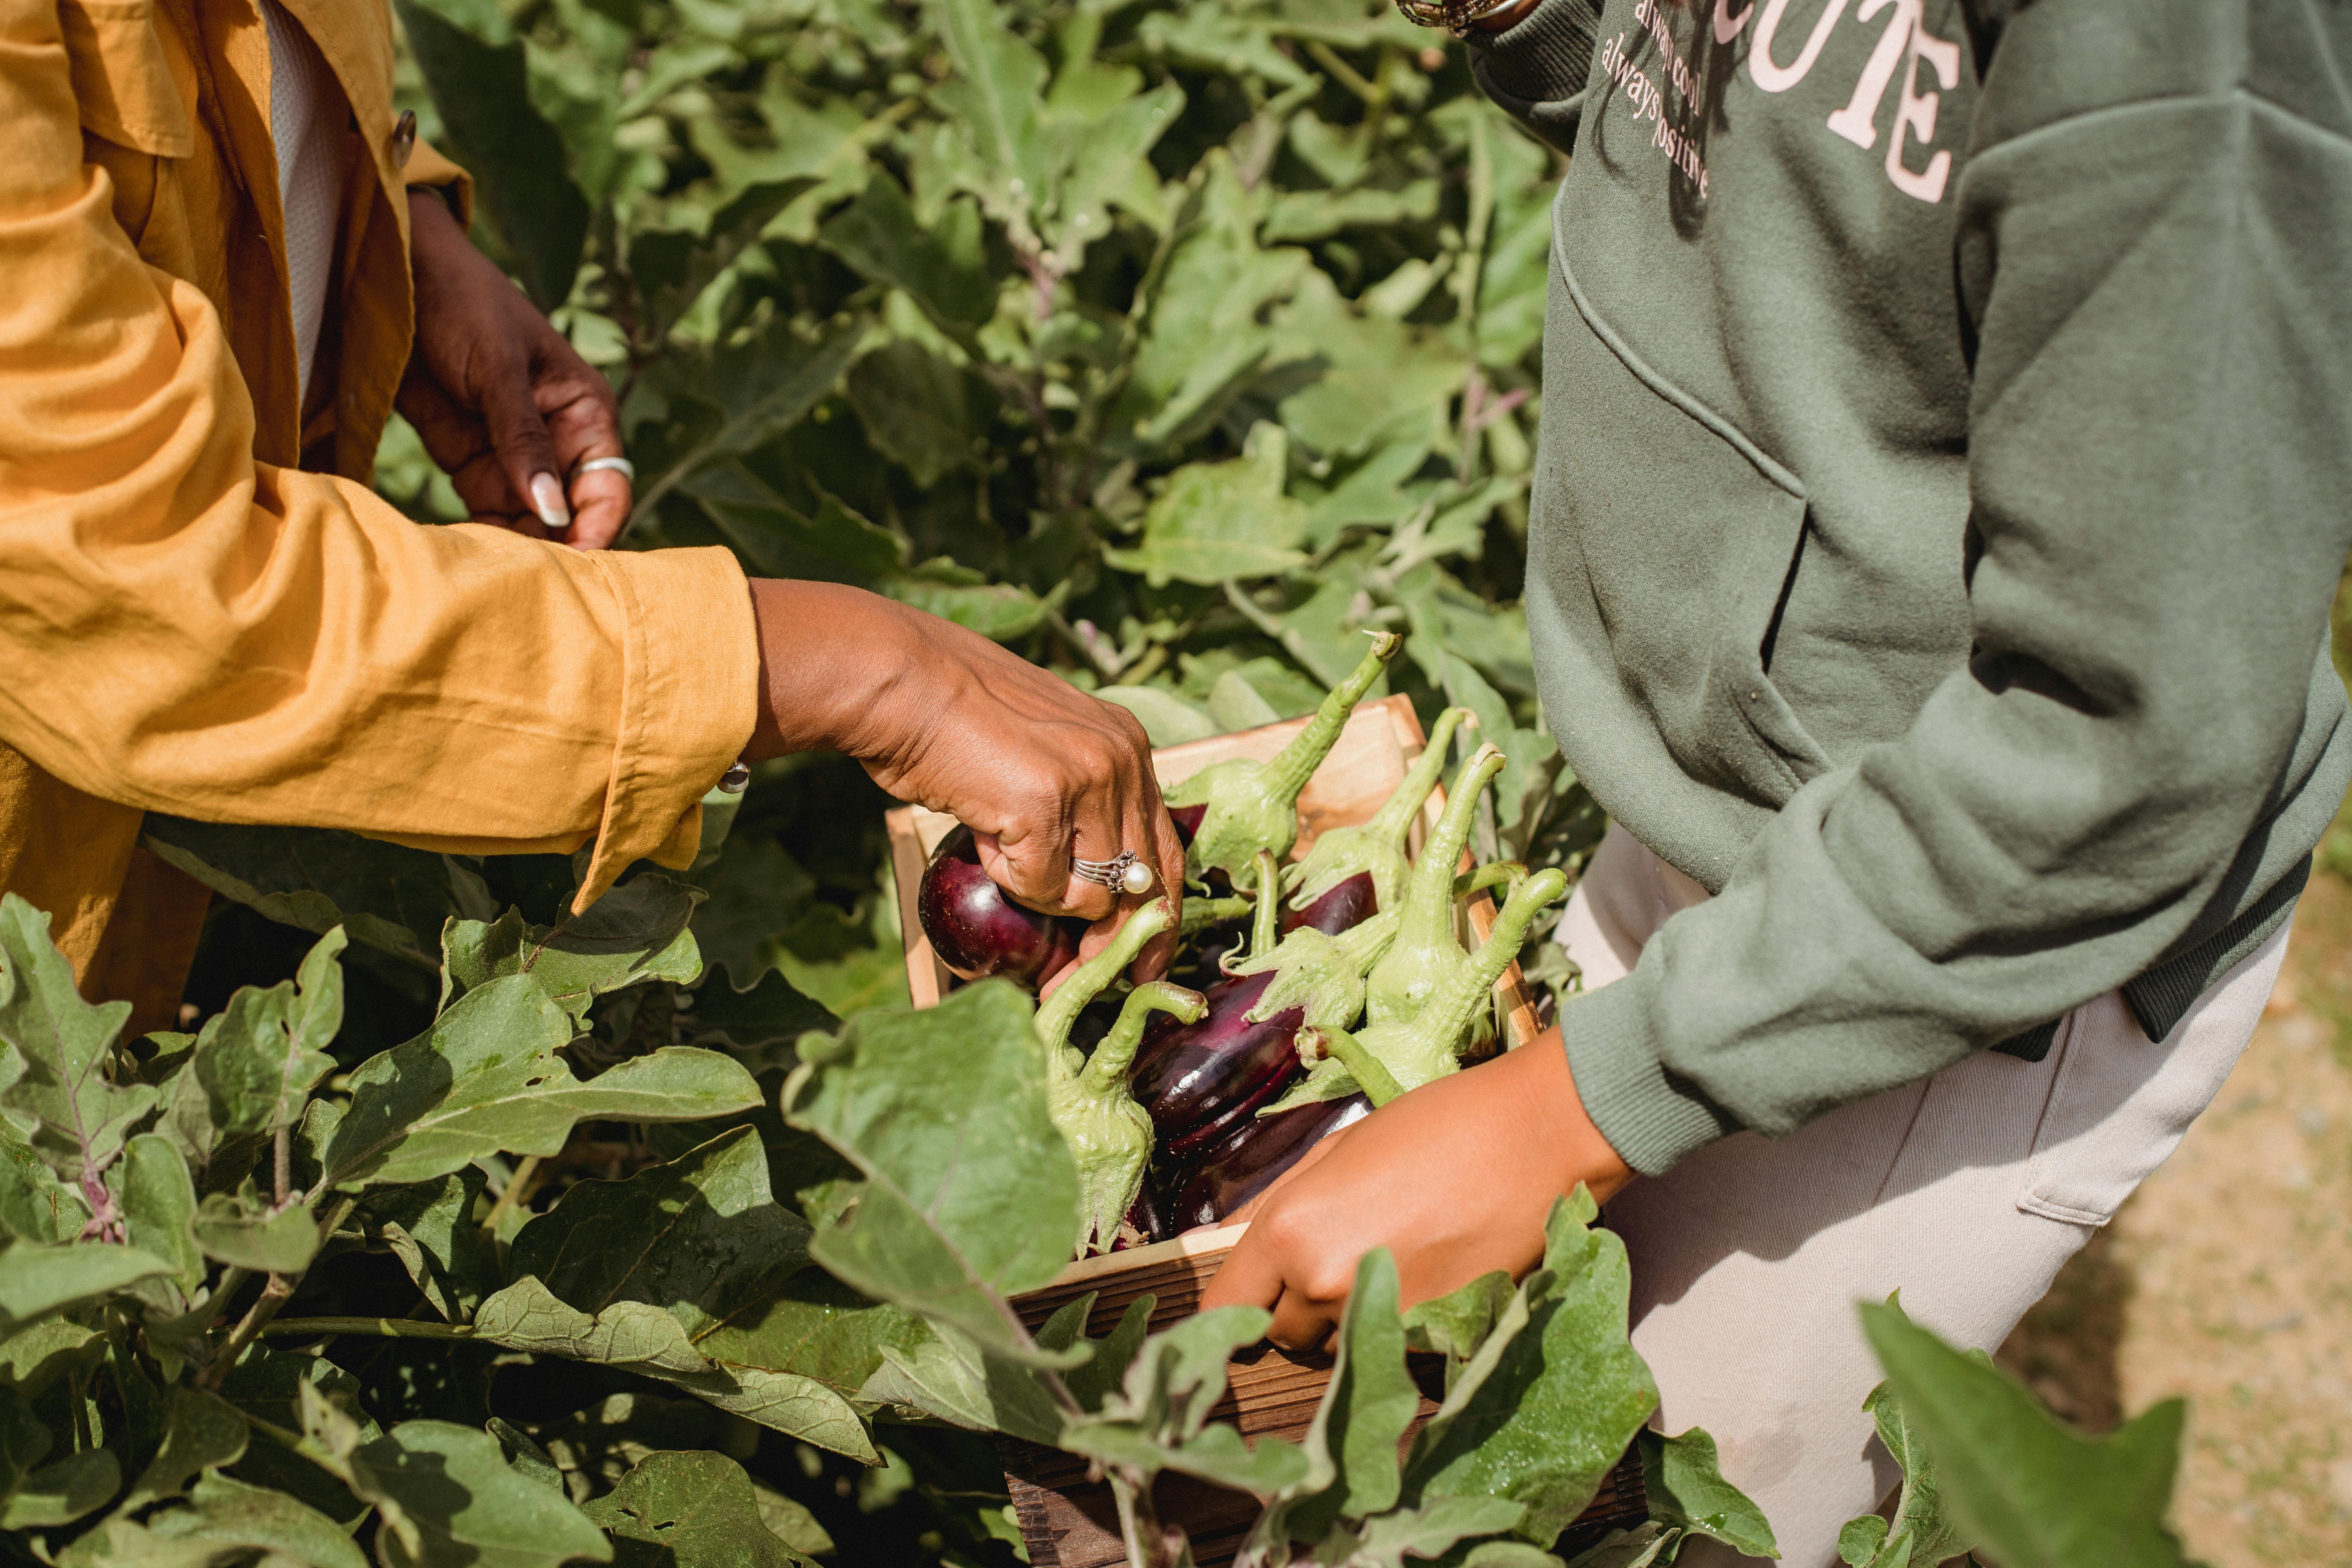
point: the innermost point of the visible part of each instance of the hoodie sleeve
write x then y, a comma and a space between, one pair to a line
2154, 252
1537, 68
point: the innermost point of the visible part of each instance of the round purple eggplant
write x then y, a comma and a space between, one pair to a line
1250, 1157
976, 928
1347, 905
1188, 1076
1187, 819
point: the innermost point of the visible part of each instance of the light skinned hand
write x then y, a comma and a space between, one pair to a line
940, 715
1455, 1179
503, 403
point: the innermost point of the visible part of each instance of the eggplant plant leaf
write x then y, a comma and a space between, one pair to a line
260, 1057
2034, 1493
486, 1077
200, 1433
224, 1520
34, 1203
1685, 1487
157, 1201
1554, 1395
429, 1226
966, 1180
33, 1495
1923, 1530
241, 1230
40, 1277
316, 878
689, 1511
1159, 1418
448, 1496
63, 1045
1221, 521
945, 1376
634, 933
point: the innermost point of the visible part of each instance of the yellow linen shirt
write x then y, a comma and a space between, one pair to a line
192, 623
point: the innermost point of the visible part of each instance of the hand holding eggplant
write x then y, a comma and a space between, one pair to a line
1455, 1179
1039, 769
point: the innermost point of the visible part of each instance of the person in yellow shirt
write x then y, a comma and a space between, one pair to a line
225, 259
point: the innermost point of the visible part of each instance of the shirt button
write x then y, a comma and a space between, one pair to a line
403, 138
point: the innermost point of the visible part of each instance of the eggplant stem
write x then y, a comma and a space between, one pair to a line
1494, 874
1380, 1085
1266, 922
1297, 763
1059, 1011
1107, 1069
1394, 819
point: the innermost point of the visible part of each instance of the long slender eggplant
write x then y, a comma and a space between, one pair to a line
1427, 1045
1250, 805
1201, 1080
1250, 1158
976, 928
1426, 949
1108, 1133
1375, 848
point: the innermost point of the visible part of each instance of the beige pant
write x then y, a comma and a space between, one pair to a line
1965, 1191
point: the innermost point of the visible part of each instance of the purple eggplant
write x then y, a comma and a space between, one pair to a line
1250, 1158
1191, 1075
976, 928
1344, 905
1187, 819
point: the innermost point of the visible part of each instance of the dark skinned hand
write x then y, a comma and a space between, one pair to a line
503, 403
1455, 1179
940, 715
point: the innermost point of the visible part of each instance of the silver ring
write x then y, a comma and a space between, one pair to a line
621, 466
1121, 873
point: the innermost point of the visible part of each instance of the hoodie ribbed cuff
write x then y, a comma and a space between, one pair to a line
1546, 57
1651, 1119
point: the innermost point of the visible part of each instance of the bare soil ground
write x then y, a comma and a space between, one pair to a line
2227, 1280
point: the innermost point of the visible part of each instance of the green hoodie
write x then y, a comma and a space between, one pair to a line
1946, 467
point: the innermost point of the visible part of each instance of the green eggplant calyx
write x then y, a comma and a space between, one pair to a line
1379, 1085
1088, 979
1377, 845
1254, 805
1108, 1133
1425, 946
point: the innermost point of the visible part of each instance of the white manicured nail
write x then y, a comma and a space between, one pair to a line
547, 495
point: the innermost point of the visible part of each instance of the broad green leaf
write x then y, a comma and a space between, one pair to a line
993, 104
969, 1193
1318, 215
1650, 1545
486, 1079
33, 1495
1685, 1488
634, 933
1923, 1530
200, 1433
689, 411
33, 1358
480, 88
1210, 41
701, 1236
2034, 1493
240, 1229
642, 1338
1105, 1368
458, 1501
1429, 1530
1235, 704
942, 269
1379, 381
270, 1385
1378, 493
835, 545
1546, 1410
39, 1278
1456, 1325
526, 1316
1219, 521
945, 1376
773, 1012
34, 1203
316, 878
1110, 167
1205, 338
223, 1523
63, 1044
919, 411
158, 1201
1351, 1444
999, 610
689, 1511
1168, 719
430, 1227
1158, 1419
259, 1059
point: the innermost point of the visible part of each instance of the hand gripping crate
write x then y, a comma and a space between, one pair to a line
1067, 1519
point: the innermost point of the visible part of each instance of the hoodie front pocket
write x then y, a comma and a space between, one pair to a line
1688, 538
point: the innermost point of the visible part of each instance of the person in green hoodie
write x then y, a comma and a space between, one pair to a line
1944, 471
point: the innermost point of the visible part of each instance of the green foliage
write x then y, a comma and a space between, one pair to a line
2029, 1491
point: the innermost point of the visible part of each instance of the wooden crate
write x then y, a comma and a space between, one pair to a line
1067, 1519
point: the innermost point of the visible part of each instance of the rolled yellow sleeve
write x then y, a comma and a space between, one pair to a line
189, 631
428, 168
